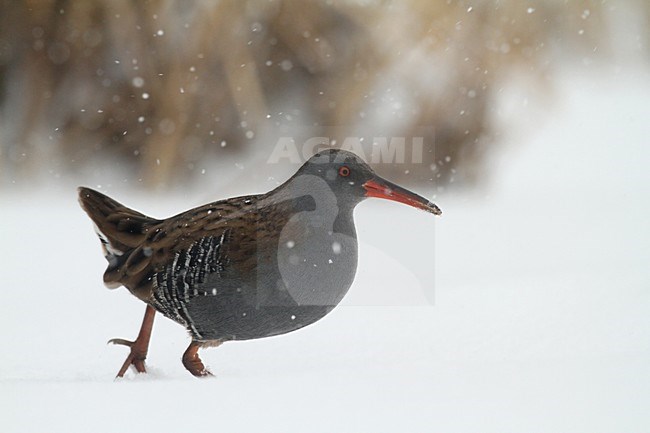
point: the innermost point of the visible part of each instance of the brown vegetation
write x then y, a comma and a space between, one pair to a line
161, 84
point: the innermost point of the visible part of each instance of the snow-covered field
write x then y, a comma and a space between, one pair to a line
539, 322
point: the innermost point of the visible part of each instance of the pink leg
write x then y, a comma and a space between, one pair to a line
193, 363
140, 346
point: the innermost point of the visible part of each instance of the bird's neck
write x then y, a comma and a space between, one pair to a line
344, 222
312, 194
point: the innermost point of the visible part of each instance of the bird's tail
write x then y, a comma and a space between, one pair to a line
119, 228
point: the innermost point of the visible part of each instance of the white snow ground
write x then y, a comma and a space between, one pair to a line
541, 319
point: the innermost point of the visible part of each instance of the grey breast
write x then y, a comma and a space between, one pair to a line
317, 249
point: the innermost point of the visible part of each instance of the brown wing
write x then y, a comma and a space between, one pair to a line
242, 229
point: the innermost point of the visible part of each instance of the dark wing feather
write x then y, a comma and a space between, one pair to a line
122, 227
121, 231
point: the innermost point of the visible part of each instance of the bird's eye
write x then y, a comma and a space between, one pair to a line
344, 171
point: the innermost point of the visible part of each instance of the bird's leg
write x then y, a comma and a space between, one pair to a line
140, 346
191, 359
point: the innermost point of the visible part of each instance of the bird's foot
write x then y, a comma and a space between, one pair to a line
135, 358
139, 347
193, 363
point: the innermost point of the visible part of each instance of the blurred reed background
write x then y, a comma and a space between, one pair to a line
159, 87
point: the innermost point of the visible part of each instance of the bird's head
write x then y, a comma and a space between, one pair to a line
352, 180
